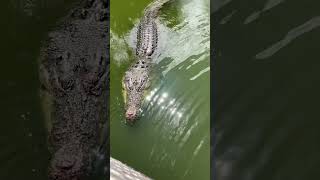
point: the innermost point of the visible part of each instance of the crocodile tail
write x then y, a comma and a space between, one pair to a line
152, 9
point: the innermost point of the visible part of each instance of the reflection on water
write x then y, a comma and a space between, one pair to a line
291, 35
165, 103
171, 139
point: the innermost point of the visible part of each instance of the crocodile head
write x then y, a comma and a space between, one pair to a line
73, 163
68, 163
135, 83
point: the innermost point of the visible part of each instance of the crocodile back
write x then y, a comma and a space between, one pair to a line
147, 36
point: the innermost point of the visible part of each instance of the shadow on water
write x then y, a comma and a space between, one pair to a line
23, 153
171, 139
267, 89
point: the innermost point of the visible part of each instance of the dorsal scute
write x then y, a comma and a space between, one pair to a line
147, 35
147, 38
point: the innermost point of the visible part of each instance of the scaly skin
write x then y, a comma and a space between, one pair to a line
74, 76
135, 82
137, 77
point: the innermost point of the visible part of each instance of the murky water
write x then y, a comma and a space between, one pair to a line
267, 71
24, 24
172, 139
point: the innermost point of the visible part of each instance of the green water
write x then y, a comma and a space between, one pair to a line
172, 138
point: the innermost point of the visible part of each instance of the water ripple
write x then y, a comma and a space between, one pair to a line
291, 35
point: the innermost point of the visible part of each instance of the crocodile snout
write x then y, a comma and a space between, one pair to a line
66, 165
131, 113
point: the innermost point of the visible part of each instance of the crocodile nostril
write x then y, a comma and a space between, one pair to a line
65, 164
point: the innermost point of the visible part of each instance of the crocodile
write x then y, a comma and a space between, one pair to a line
137, 78
74, 77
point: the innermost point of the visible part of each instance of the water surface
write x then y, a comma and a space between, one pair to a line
172, 138
267, 81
